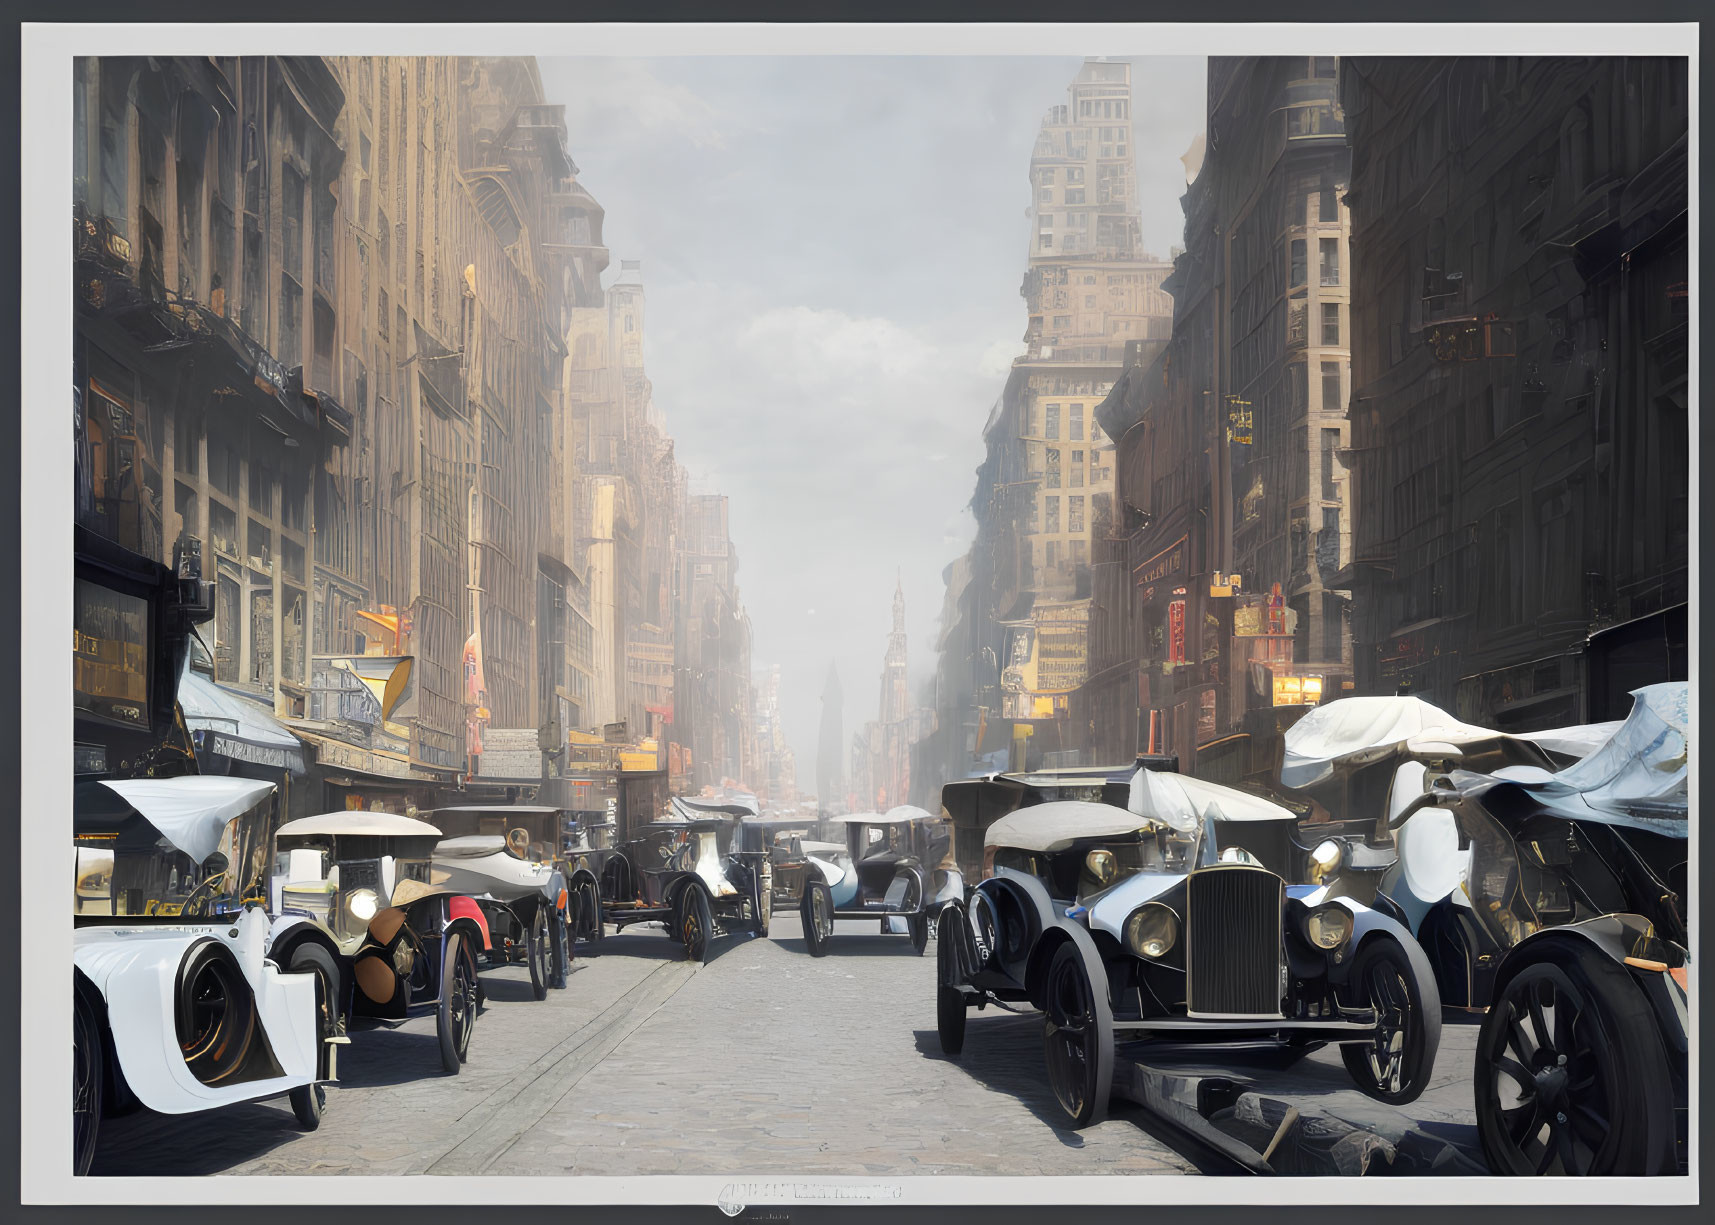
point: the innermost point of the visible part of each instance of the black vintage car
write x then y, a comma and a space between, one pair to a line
1578, 892
692, 875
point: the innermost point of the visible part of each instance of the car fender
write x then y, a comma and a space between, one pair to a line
1054, 930
461, 907
1607, 933
1369, 924
1115, 906
136, 972
947, 885
286, 934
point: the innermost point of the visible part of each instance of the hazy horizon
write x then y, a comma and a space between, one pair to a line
831, 253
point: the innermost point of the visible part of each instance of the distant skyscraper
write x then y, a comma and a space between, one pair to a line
830, 744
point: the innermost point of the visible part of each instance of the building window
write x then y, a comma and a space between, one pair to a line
1330, 444
1299, 258
1045, 241
1330, 323
1080, 552
1046, 195
1074, 195
1075, 513
1323, 66
1330, 252
1077, 475
1328, 209
1331, 401
1052, 429
1077, 434
1053, 516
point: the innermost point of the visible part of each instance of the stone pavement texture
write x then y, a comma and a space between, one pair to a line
765, 1061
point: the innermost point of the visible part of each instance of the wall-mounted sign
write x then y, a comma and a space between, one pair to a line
1169, 563
1176, 632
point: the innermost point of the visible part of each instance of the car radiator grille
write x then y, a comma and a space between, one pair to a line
1233, 942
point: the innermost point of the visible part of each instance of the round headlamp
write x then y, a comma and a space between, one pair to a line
1102, 867
1151, 931
1325, 860
362, 904
1328, 927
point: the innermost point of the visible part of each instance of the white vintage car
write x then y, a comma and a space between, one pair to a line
177, 1006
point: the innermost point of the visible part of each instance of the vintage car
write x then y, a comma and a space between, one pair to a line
357, 903
692, 875
1365, 760
894, 867
1577, 887
1138, 923
177, 1006
508, 858
783, 840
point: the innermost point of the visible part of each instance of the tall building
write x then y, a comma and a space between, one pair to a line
776, 768
713, 702
1234, 522
1044, 497
1520, 406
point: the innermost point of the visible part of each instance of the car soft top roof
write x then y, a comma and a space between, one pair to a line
527, 810
1184, 802
190, 812
1059, 823
358, 822
892, 817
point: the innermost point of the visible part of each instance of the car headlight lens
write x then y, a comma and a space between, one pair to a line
1325, 860
1328, 927
1101, 866
1151, 931
362, 904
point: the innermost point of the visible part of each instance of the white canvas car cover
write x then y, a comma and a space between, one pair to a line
1353, 728
190, 812
864, 818
1182, 801
358, 821
1637, 778
909, 812
1059, 823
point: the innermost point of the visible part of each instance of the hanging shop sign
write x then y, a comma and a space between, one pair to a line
1176, 632
1238, 421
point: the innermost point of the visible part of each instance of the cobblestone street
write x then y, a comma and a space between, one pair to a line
765, 1061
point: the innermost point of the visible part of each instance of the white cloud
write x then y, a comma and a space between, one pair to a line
997, 358
616, 96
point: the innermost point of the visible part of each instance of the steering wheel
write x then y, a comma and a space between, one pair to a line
198, 901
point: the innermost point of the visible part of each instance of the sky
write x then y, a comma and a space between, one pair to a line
831, 251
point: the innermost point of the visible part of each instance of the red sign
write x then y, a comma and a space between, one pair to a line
1176, 632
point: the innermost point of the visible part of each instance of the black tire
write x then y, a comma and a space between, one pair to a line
918, 924
537, 952
696, 925
456, 1016
87, 1073
1570, 1047
588, 912
949, 1000
215, 1013
1077, 1039
817, 913
307, 1103
1395, 1067
330, 1000
560, 940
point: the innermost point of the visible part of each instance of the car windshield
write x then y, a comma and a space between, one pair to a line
874, 840
146, 875
1092, 865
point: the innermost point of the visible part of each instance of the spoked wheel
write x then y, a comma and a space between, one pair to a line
818, 916
696, 924
1571, 1077
537, 953
949, 1000
457, 1017
86, 1086
1077, 1039
216, 1014
919, 928
1393, 1066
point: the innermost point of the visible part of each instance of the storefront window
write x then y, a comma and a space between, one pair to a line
110, 655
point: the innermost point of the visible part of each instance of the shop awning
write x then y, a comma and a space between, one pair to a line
226, 724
